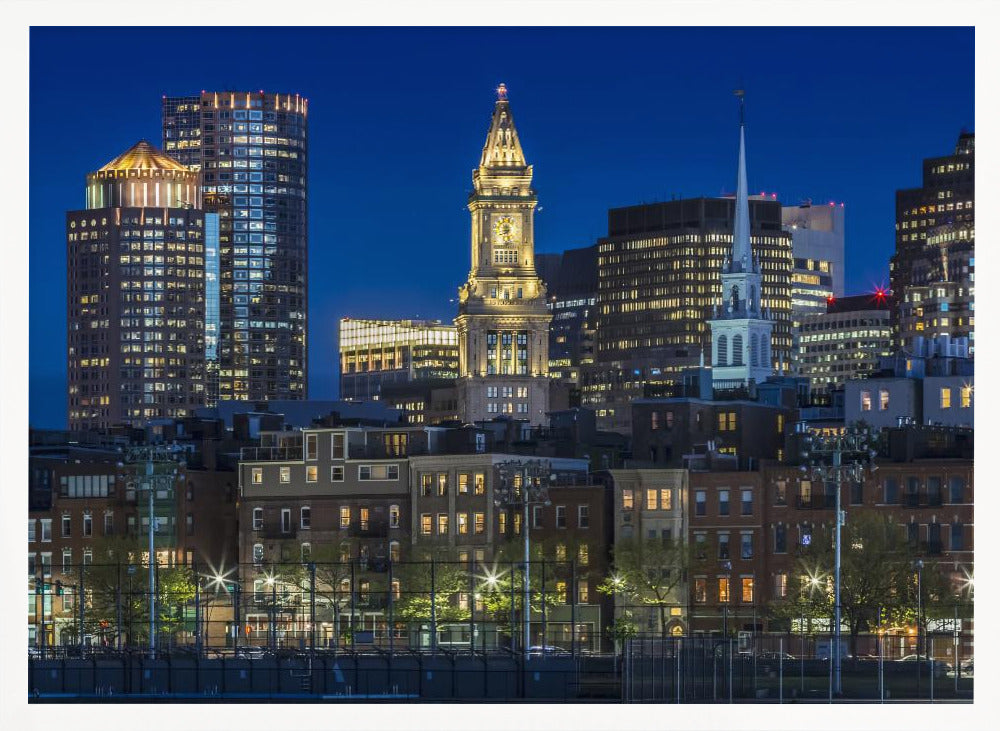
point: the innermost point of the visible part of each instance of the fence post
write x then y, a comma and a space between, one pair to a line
730, 669
197, 610
351, 625
392, 620
781, 670
434, 633
118, 607
312, 604
932, 668
572, 619
81, 607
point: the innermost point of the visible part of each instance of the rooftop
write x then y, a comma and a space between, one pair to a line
143, 156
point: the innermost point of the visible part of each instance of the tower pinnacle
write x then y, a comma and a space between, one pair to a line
742, 259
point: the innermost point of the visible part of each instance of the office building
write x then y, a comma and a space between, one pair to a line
935, 238
817, 255
375, 353
503, 323
252, 151
846, 341
136, 293
570, 278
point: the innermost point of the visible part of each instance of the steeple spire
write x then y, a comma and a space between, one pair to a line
502, 148
742, 259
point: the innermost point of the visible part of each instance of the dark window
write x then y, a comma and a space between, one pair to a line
699, 502
723, 502
891, 491
780, 538
723, 545
746, 502
956, 489
934, 491
957, 537
913, 533
857, 493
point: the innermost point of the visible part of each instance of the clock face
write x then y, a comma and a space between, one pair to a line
504, 229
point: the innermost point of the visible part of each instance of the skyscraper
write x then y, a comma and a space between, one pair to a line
136, 293
503, 324
252, 151
571, 280
742, 327
935, 250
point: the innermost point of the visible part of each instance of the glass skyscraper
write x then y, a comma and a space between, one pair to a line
251, 149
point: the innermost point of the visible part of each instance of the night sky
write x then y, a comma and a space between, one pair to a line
398, 117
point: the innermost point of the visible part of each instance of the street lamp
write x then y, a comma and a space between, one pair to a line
523, 483
161, 468
846, 455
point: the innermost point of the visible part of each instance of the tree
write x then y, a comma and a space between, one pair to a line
875, 571
649, 572
502, 588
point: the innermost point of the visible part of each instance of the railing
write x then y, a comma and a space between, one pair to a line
271, 454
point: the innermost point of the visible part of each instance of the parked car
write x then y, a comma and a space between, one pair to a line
774, 655
938, 666
547, 650
252, 653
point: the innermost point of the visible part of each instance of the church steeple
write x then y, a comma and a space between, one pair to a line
502, 148
742, 258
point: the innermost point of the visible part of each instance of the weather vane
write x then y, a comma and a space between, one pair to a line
740, 93
501, 92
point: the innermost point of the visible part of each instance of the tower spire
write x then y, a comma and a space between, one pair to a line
742, 255
502, 148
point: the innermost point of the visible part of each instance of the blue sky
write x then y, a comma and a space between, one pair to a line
608, 117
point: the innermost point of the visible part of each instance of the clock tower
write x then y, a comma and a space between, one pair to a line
503, 323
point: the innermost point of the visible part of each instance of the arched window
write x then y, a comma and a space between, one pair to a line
765, 356
721, 351
752, 300
737, 350
734, 298
753, 349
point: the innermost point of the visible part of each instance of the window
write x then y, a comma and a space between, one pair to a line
462, 523
746, 589
285, 474
966, 396
665, 499
883, 399
337, 446
805, 493
67, 560
305, 552
536, 516
627, 500
337, 473
583, 592
305, 517
780, 538
368, 472
891, 491
286, 520
699, 545
945, 398
560, 552
866, 400
480, 483
654, 420
46, 530
723, 583
258, 518
956, 489
723, 545
502, 522
463, 484
479, 522
583, 516
700, 590
257, 475
31, 564
258, 552
957, 537
426, 524
393, 516
345, 516
88, 524
780, 492
857, 493
426, 484
723, 502
746, 502
67, 523
312, 473
805, 534
442, 524
583, 555
746, 545
109, 523
311, 452
31, 530
560, 516
561, 592
699, 502
189, 523
442, 484
781, 586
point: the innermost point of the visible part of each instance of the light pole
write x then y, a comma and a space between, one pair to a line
160, 469
835, 458
524, 484
919, 566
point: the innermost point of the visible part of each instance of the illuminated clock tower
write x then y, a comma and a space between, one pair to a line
503, 324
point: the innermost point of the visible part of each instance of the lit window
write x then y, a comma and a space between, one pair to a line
345, 516
480, 523
946, 398
700, 590
286, 474
462, 523
442, 523
746, 589
966, 397
883, 399
257, 475
627, 500
723, 589
425, 524
312, 473
651, 502
866, 400
393, 516
665, 499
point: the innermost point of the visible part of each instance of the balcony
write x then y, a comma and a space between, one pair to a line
271, 454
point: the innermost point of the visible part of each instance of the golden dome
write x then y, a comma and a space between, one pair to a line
143, 156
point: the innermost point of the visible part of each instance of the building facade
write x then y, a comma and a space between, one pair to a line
930, 221
818, 256
252, 151
136, 293
844, 342
503, 322
571, 281
374, 353
658, 288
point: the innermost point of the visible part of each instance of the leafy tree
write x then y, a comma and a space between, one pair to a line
649, 572
876, 569
416, 578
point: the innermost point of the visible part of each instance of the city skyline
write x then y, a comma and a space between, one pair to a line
587, 158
